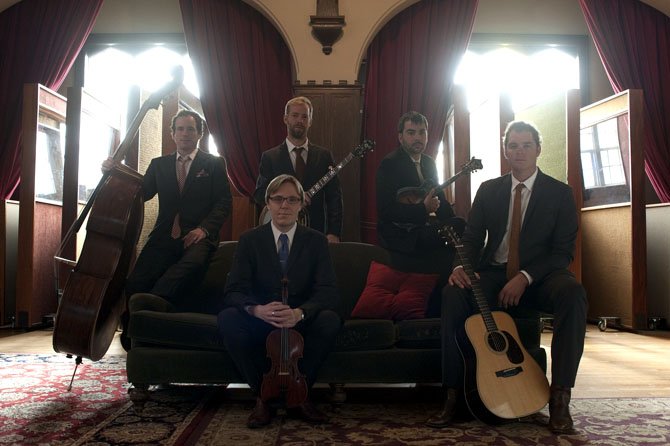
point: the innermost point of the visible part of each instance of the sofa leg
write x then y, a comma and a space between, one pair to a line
337, 393
139, 395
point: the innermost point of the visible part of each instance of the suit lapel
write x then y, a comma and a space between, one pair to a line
297, 246
269, 247
535, 197
197, 166
285, 164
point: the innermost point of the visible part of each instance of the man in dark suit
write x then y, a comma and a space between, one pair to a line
253, 296
529, 272
194, 200
409, 228
308, 163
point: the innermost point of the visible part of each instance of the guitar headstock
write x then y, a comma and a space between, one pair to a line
473, 165
368, 145
449, 235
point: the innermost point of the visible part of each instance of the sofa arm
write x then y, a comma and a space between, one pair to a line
151, 302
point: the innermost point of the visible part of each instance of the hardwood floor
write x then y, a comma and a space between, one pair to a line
615, 363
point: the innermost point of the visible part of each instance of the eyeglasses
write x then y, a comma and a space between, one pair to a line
278, 199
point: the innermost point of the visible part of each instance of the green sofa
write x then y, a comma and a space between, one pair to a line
171, 345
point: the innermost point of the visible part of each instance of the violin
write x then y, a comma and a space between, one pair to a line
284, 347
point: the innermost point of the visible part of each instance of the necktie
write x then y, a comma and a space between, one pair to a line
182, 164
299, 163
283, 252
514, 231
417, 164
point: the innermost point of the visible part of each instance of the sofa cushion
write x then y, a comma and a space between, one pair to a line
396, 295
419, 333
369, 334
351, 261
153, 321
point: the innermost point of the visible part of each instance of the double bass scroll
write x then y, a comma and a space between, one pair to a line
92, 301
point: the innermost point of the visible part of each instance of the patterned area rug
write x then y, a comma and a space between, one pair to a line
36, 408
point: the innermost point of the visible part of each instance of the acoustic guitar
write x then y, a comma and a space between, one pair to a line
415, 195
303, 217
502, 381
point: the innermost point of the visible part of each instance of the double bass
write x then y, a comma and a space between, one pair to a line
92, 301
284, 347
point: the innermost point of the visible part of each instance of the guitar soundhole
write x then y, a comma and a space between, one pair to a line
514, 352
497, 341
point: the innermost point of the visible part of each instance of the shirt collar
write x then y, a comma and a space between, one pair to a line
190, 156
292, 146
528, 182
290, 233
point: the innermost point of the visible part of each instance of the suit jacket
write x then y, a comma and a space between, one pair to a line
325, 212
255, 276
548, 232
396, 171
205, 201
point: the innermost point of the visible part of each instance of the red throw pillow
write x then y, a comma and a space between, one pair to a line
395, 295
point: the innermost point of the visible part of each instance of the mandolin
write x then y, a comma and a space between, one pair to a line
303, 217
502, 381
415, 195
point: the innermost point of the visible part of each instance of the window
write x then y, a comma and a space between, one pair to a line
527, 69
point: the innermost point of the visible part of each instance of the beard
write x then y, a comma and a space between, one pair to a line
297, 132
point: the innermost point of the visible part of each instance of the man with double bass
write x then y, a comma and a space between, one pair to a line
307, 162
194, 200
266, 257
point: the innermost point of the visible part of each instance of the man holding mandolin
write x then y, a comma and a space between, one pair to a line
410, 206
307, 162
282, 311
517, 246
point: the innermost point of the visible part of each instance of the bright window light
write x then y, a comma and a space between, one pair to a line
527, 79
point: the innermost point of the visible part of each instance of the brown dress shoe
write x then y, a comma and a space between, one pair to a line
260, 416
308, 412
560, 421
446, 416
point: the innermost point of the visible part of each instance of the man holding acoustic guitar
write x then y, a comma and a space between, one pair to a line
517, 246
282, 311
308, 163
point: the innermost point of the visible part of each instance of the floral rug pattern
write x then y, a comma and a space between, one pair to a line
37, 409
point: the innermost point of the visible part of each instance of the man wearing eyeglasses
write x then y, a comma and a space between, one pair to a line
253, 305
307, 162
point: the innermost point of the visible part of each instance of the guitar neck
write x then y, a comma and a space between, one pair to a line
329, 176
480, 297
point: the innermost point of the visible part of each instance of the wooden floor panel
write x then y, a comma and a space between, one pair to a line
615, 363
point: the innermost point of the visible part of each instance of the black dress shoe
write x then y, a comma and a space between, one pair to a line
445, 417
307, 411
560, 421
260, 416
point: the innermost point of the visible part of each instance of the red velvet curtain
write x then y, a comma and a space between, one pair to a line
244, 73
633, 41
411, 66
39, 42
